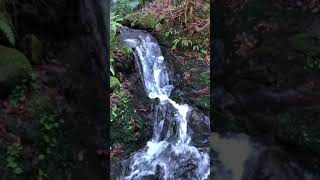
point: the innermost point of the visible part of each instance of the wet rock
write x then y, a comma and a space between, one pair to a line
166, 113
14, 69
199, 128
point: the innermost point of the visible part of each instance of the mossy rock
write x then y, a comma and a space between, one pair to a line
14, 68
141, 20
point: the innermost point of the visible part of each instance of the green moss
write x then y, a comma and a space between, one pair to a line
14, 68
147, 21
114, 82
127, 127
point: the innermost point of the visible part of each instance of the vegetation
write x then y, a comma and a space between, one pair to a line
36, 146
127, 126
6, 26
31, 130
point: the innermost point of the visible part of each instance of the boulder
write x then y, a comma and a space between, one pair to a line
141, 20
14, 68
199, 128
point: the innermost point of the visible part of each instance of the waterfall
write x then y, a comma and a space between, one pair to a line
168, 154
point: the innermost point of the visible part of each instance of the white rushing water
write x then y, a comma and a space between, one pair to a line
169, 153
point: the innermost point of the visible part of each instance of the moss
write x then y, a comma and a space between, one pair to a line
14, 68
128, 128
114, 82
147, 21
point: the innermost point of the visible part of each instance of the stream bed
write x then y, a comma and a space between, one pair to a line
173, 152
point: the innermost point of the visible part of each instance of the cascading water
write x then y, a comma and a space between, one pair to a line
168, 154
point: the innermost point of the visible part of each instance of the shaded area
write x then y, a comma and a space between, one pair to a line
53, 121
266, 75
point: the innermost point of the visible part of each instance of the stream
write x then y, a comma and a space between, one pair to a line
170, 153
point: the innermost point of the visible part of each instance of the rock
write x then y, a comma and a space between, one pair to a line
33, 48
166, 113
199, 128
14, 68
141, 20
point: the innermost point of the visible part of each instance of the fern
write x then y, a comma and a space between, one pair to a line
6, 29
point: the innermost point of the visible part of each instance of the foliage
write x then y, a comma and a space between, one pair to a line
126, 124
114, 26
13, 154
126, 50
6, 28
188, 44
115, 23
18, 95
186, 15
42, 148
122, 8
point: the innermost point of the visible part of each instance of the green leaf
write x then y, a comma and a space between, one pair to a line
12, 164
7, 29
17, 170
114, 82
204, 52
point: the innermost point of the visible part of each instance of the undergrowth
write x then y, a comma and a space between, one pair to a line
126, 124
